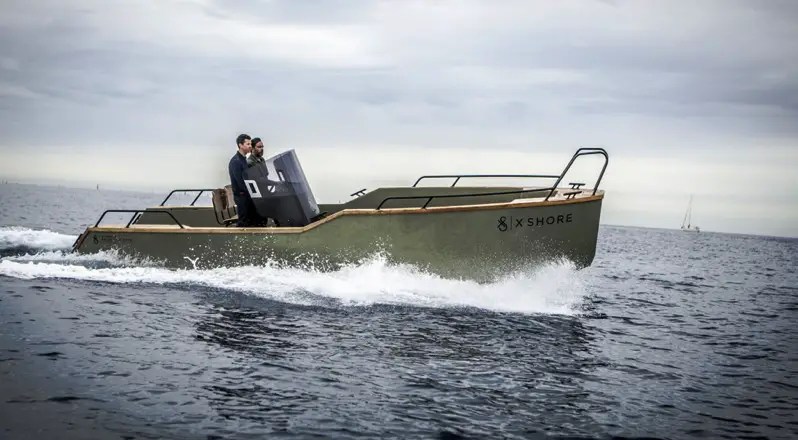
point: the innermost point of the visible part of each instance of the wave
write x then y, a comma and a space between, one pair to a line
553, 288
102, 259
15, 240
556, 288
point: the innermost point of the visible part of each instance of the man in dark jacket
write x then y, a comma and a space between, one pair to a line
244, 206
258, 171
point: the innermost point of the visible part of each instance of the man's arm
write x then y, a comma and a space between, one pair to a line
237, 176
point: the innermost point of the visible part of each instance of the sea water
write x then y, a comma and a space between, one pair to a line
667, 335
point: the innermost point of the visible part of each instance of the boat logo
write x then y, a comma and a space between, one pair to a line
506, 224
502, 224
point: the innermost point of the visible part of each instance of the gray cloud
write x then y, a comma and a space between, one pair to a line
408, 72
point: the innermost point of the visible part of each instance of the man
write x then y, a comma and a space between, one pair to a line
244, 206
256, 156
257, 170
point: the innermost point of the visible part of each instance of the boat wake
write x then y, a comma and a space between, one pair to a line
555, 288
19, 241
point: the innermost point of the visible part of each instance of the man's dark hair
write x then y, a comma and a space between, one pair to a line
255, 141
241, 138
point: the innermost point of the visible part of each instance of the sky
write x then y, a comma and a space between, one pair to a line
687, 97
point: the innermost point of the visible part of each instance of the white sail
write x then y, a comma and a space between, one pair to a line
688, 218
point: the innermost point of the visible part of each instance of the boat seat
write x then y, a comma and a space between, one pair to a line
228, 193
224, 206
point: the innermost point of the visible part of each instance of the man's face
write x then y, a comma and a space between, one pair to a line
246, 147
257, 150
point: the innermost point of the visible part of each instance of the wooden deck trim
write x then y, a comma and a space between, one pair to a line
385, 211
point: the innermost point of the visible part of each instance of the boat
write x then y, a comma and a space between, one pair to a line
477, 232
688, 218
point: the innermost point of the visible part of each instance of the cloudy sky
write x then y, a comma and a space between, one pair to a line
688, 97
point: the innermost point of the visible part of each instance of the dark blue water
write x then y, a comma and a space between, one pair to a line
668, 335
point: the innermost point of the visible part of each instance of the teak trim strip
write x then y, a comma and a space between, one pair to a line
345, 212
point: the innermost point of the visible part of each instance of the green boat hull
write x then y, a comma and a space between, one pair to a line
482, 241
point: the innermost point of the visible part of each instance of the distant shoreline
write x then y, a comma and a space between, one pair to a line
87, 186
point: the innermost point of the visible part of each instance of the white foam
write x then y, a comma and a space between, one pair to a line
109, 258
555, 288
15, 236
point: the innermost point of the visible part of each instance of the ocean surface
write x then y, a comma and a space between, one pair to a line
667, 335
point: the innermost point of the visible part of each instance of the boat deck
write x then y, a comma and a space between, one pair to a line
561, 196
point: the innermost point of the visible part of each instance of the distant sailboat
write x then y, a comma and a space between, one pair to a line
687, 218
